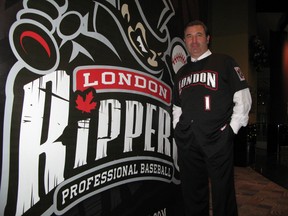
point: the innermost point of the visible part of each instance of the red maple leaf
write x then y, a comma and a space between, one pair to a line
86, 105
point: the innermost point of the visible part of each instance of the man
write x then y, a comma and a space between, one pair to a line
211, 102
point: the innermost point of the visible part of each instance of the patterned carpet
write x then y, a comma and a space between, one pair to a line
258, 196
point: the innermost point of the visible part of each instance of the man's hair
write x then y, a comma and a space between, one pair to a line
197, 22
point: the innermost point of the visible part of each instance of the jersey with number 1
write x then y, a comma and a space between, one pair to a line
204, 90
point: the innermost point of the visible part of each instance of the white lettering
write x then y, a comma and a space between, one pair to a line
211, 80
82, 143
82, 186
65, 194
86, 80
203, 77
163, 91
140, 82
109, 115
149, 127
43, 146
45, 129
134, 119
108, 78
152, 86
73, 191
89, 180
195, 78
125, 78
160, 213
164, 128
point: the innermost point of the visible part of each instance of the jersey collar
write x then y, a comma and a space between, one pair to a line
204, 55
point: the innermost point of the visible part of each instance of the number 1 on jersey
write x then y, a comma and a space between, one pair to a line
207, 103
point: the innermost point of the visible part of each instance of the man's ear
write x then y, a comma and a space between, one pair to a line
208, 39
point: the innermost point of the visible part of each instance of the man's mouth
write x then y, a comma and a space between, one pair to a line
141, 45
138, 39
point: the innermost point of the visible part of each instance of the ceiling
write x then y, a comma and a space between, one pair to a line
275, 6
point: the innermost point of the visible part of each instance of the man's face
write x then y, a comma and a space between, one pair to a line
196, 40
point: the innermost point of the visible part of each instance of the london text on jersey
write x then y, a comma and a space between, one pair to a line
209, 79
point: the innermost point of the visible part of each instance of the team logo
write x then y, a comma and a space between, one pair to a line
88, 102
239, 73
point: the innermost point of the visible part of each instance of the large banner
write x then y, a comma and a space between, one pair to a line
87, 109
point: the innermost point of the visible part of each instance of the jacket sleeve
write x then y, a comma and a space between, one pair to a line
176, 112
242, 100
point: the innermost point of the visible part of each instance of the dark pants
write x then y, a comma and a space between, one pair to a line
197, 167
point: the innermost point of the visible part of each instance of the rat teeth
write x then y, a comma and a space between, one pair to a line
141, 45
